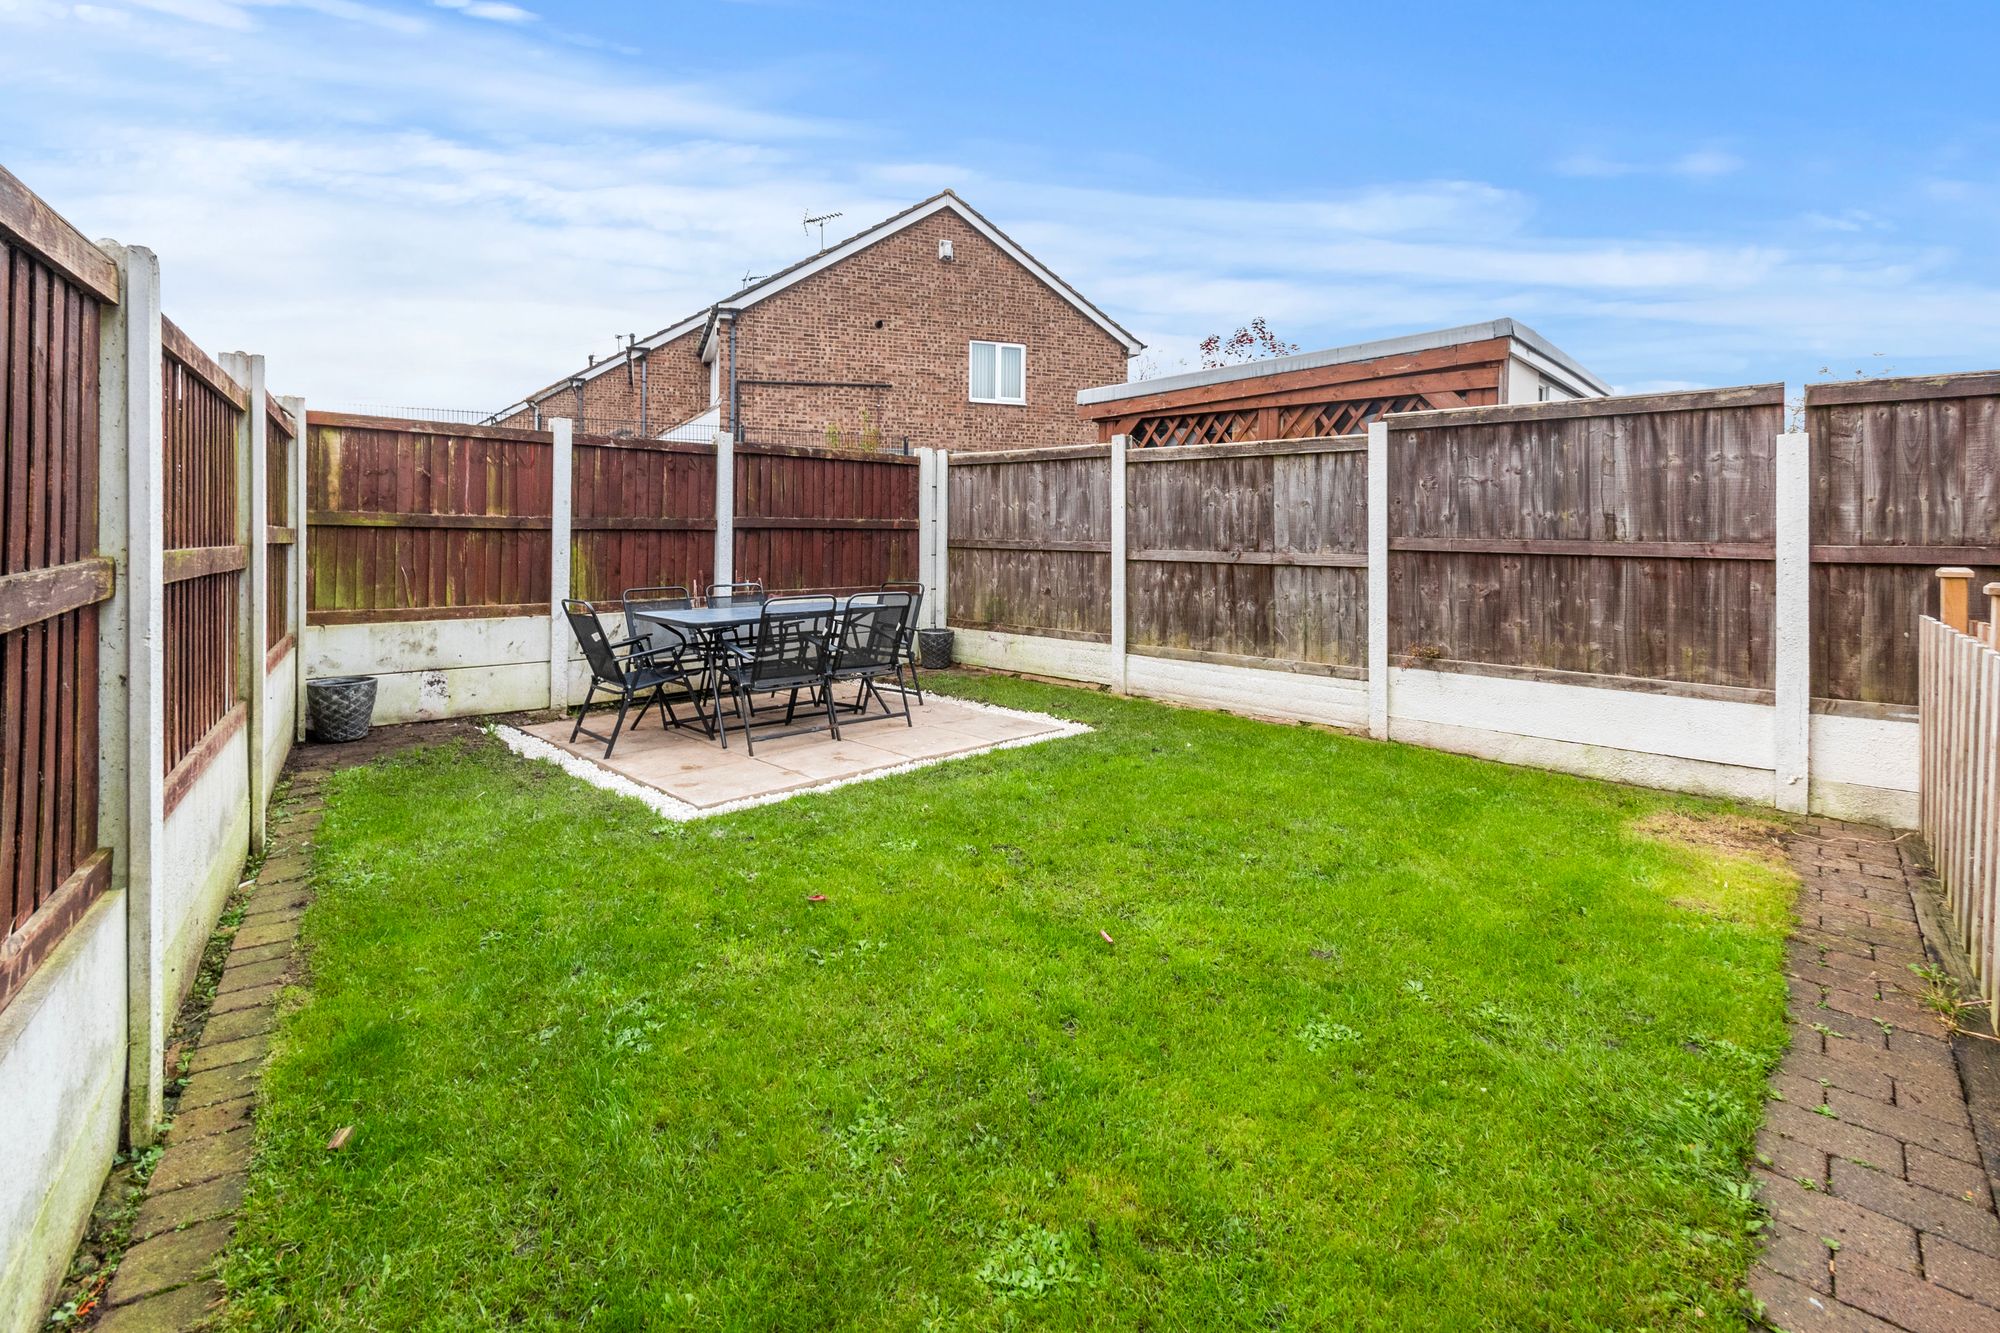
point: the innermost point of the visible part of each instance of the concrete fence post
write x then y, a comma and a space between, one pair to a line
725, 508
253, 520
941, 579
1792, 634
927, 533
1378, 580
131, 679
295, 408
1955, 596
561, 520
1119, 444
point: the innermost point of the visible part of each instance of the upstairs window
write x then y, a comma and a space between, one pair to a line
999, 373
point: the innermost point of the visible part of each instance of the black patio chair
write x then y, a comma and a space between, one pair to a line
870, 646
916, 591
737, 594
786, 654
627, 678
652, 635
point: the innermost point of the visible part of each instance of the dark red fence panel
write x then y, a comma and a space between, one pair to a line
824, 520
205, 556
51, 582
415, 520
643, 515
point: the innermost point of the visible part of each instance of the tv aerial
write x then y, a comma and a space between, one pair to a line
820, 222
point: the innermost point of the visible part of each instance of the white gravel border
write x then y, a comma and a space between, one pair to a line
534, 747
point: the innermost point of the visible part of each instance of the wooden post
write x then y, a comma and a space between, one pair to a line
561, 517
253, 521
1992, 591
1119, 444
1792, 636
1954, 595
131, 672
725, 508
1378, 580
295, 408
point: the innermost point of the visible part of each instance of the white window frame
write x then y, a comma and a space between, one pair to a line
1022, 401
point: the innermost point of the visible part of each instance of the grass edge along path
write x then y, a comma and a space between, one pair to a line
1194, 1019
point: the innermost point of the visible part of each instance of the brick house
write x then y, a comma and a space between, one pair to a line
931, 328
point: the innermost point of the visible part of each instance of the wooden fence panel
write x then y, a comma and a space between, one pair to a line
205, 555
644, 516
1958, 689
1629, 537
824, 520
418, 520
1252, 554
51, 583
281, 534
1906, 477
1030, 542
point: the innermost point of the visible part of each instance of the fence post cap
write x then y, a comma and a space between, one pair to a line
1953, 572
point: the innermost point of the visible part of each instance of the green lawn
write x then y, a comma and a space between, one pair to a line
1383, 1038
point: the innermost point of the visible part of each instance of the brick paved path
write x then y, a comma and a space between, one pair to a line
1882, 1211
166, 1281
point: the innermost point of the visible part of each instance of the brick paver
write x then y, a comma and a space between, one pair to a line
166, 1281
1882, 1207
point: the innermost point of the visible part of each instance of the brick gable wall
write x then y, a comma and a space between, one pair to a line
826, 328
676, 388
882, 337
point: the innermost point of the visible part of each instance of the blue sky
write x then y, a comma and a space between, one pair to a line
446, 204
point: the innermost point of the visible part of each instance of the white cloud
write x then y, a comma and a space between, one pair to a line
486, 9
1698, 164
403, 227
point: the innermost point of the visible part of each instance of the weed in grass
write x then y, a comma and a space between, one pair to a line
1028, 1264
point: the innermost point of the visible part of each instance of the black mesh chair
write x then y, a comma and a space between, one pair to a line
650, 634
637, 675
736, 594
870, 646
909, 658
786, 655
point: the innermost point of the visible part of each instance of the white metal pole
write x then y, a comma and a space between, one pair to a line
1378, 580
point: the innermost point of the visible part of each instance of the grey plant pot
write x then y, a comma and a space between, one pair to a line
934, 648
340, 708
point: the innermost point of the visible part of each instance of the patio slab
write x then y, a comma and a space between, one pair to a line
686, 774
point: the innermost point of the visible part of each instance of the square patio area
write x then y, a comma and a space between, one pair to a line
685, 774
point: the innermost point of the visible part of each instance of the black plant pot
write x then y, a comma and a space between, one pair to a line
340, 708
